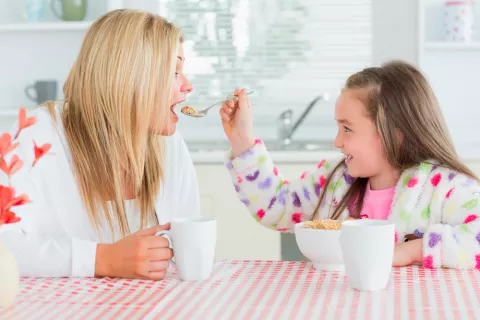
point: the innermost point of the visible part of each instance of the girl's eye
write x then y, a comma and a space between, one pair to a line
347, 129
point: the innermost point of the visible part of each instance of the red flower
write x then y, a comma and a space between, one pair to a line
15, 165
470, 218
8, 197
449, 193
321, 163
9, 217
428, 262
260, 214
7, 201
436, 179
275, 171
322, 181
6, 145
297, 217
40, 151
412, 182
24, 121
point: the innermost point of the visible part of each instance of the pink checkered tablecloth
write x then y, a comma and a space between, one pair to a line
253, 290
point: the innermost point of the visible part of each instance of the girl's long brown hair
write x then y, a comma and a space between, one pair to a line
399, 99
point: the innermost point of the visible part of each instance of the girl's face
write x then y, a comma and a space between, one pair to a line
359, 141
181, 87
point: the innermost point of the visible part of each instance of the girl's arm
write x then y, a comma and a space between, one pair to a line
455, 242
273, 201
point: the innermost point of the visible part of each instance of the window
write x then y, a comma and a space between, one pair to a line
288, 51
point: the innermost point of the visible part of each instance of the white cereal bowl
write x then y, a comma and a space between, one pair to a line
321, 247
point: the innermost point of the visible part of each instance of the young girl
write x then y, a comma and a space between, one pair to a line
113, 174
399, 164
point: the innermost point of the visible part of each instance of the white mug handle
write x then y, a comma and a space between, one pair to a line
167, 235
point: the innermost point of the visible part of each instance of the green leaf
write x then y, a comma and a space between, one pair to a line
471, 204
326, 165
406, 179
464, 228
405, 216
339, 184
261, 160
426, 213
331, 187
280, 184
425, 167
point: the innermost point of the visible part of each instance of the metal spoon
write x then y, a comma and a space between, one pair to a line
203, 113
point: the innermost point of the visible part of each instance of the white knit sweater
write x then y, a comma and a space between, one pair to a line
54, 237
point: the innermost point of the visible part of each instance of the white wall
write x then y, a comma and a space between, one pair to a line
395, 28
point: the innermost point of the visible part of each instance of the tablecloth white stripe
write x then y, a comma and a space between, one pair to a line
253, 290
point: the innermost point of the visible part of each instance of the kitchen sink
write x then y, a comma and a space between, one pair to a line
272, 145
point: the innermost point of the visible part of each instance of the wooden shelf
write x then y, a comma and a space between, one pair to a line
452, 46
46, 26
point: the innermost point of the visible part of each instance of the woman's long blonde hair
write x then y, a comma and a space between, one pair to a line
121, 79
399, 99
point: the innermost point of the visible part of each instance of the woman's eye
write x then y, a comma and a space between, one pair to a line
347, 129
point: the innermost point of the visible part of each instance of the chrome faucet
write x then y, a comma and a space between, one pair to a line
286, 127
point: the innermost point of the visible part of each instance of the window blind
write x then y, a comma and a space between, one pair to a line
287, 51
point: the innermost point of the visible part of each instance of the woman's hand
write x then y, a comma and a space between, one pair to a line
237, 121
407, 253
141, 255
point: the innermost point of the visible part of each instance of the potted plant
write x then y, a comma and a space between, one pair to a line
9, 165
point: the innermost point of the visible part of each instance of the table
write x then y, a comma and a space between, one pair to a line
253, 290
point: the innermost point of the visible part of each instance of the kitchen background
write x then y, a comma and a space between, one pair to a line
289, 52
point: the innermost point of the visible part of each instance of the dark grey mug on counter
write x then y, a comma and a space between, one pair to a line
44, 90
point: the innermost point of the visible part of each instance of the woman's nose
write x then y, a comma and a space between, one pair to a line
187, 86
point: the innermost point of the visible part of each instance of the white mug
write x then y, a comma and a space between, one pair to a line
193, 241
368, 247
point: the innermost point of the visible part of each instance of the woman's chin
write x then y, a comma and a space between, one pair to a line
168, 131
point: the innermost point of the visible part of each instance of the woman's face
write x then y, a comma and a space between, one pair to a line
181, 87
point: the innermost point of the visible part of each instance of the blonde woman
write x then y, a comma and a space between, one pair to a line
117, 172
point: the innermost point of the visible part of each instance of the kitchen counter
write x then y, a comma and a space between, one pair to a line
298, 151
213, 152
217, 157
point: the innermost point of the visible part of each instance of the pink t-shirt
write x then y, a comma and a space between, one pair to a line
376, 204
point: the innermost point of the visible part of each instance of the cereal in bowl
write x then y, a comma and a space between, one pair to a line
327, 224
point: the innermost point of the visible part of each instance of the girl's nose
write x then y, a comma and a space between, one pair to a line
338, 142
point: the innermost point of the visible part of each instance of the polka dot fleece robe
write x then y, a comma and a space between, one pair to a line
430, 201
